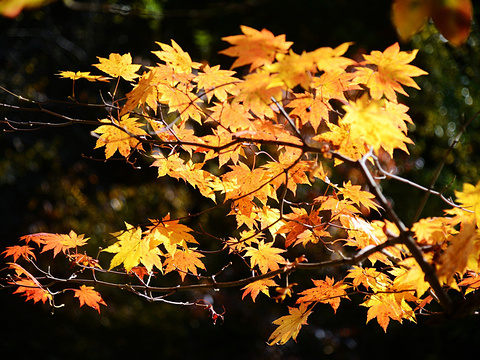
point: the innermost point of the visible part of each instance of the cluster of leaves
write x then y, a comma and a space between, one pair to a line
254, 144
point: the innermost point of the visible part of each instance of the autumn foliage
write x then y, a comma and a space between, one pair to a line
252, 144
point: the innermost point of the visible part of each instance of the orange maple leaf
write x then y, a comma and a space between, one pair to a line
119, 65
289, 325
256, 93
119, 135
184, 261
302, 227
63, 242
19, 251
32, 290
258, 286
325, 291
255, 47
29, 286
392, 70
266, 256
88, 296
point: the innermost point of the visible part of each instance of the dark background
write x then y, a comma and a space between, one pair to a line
51, 179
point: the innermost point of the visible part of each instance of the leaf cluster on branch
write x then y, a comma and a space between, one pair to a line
252, 145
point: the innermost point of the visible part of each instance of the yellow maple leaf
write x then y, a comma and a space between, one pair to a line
325, 291
358, 196
409, 276
266, 256
258, 286
392, 70
170, 233
180, 98
433, 230
119, 135
289, 325
255, 47
309, 108
119, 65
468, 199
217, 82
82, 75
178, 59
462, 254
369, 277
291, 70
386, 306
131, 250
369, 121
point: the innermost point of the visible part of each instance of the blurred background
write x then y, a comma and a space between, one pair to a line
52, 180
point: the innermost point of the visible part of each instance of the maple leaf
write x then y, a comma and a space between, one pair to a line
328, 59
358, 196
309, 108
178, 59
369, 277
29, 286
231, 116
88, 296
19, 251
369, 121
462, 254
170, 233
38, 238
386, 306
325, 291
119, 65
184, 261
409, 276
258, 286
119, 135
82, 75
62, 242
468, 199
179, 98
266, 256
131, 249
433, 230
291, 70
146, 89
289, 325
333, 84
256, 93
392, 71
255, 47
302, 227
217, 82
32, 290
